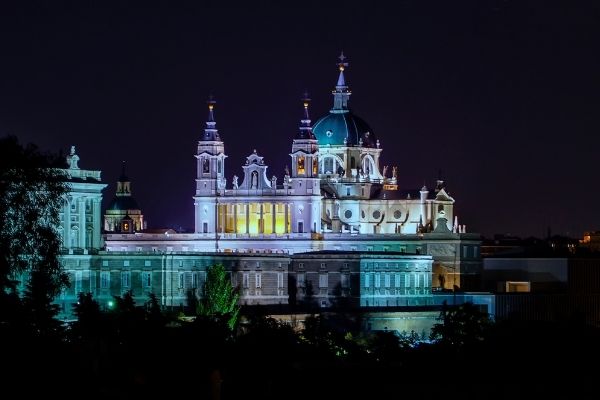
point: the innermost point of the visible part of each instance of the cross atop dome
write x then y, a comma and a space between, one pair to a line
341, 83
341, 94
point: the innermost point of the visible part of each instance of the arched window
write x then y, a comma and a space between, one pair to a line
301, 169
328, 165
205, 166
315, 166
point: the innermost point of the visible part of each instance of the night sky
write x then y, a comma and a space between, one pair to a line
502, 96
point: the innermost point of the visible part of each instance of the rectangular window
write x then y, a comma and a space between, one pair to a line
258, 280
246, 280
147, 263
323, 265
367, 280
205, 227
146, 280
397, 280
345, 281
301, 281
181, 280
406, 280
323, 280
347, 190
300, 227
425, 280
387, 280
369, 248
105, 280
92, 281
280, 279
194, 280
105, 263
377, 280
126, 263
417, 283
125, 279
465, 251
300, 265
78, 275
138, 248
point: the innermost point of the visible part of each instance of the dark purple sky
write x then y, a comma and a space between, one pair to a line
502, 96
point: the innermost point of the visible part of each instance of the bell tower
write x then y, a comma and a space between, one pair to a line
210, 171
305, 180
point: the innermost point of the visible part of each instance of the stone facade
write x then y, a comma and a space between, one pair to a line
337, 222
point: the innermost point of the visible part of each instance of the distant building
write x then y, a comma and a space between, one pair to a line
591, 241
123, 214
336, 228
539, 286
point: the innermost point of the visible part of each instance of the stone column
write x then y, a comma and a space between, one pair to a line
235, 218
273, 217
287, 208
67, 223
261, 221
82, 230
247, 218
97, 223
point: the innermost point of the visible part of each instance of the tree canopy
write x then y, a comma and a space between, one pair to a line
32, 190
220, 298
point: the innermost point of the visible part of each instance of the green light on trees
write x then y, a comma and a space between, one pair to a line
220, 298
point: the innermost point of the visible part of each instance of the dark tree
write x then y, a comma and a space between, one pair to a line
87, 311
32, 191
461, 325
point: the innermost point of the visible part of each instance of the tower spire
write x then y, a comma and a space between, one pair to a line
341, 94
211, 133
305, 127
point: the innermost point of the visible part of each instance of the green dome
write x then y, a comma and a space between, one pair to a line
123, 203
338, 125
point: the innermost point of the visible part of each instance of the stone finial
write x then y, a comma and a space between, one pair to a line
73, 159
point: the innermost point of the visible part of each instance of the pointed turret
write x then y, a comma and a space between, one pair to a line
305, 127
341, 94
123, 184
211, 133
210, 172
305, 148
122, 206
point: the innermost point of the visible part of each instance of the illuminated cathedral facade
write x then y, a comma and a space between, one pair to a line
337, 220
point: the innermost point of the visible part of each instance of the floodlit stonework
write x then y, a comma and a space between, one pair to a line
337, 221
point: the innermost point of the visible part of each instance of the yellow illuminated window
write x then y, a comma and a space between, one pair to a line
301, 164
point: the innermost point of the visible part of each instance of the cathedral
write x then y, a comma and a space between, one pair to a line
337, 221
